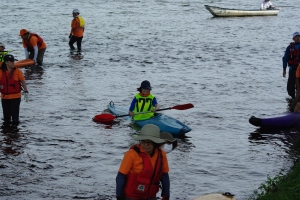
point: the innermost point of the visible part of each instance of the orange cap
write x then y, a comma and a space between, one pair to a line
23, 31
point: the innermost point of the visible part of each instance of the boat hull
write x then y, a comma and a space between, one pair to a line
285, 120
227, 12
164, 122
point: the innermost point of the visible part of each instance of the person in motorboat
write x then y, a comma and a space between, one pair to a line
11, 83
291, 58
170, 142
2, 52
143, 101
144, 168
267, 5
77, 30
34, 46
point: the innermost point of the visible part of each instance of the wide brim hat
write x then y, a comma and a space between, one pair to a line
149, 132
167, 137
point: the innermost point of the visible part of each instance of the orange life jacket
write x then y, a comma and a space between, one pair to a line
145, 184
294, 55
39, 43
8, 85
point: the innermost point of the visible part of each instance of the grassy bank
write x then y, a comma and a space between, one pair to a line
282, 187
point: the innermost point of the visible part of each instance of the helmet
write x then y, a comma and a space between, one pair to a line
75, 11
2, 45
23, 31
146, 85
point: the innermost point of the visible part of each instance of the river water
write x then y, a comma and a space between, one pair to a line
229, 68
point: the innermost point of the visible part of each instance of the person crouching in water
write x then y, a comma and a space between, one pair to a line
143, 167
11, 81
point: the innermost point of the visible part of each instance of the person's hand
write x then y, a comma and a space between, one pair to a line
284, 73
26, 96
70, 35
131, 113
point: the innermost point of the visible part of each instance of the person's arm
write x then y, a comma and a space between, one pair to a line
24, 85
285, 60
155, 104
131, 108
26, 53
165, 182
120, 181
36, 50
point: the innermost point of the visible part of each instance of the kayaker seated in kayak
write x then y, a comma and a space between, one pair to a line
144, 168
267, 5
143, 101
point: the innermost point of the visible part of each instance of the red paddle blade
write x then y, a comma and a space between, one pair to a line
104, 118
183, 106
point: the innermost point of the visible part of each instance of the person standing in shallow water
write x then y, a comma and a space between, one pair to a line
291, 58
77, 30
143, 168
11, 83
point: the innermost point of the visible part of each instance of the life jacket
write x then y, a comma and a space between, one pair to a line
143, 104
294, 55
145, 184
39, 42
8, 85
2, 57
81, 21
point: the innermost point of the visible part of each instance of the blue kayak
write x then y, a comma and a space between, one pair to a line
285, 120
164, 122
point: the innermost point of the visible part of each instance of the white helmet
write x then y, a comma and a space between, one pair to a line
76, 11
2, 45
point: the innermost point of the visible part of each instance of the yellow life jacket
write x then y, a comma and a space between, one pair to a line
81, 21
143, 104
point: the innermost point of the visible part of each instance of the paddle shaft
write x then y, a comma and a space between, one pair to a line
142, 112
178, 107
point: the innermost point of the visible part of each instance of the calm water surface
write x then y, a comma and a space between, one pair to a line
229, 68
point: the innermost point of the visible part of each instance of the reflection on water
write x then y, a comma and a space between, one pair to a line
76, 55
11, 143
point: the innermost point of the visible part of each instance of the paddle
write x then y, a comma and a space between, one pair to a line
9, 51
107, 117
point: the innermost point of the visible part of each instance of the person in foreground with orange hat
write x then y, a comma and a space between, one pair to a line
143, 168
77, 30
34, 46
11, 83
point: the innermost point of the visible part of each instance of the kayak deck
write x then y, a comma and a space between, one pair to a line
164, 122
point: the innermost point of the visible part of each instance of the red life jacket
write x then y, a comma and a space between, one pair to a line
144, 185
294, 55
39, 42
8, 85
